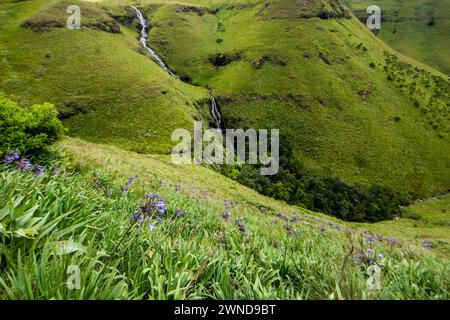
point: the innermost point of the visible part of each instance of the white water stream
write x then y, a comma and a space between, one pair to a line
144, 41
144, 37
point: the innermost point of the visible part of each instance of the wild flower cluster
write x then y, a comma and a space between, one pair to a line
290, 230
368, 258
180, 213
23, 164
226, 215
373, 239
128, 185
150, 211
427, 244
240, 223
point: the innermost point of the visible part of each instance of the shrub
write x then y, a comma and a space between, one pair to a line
27, 129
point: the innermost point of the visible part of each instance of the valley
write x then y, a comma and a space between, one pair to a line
363, 170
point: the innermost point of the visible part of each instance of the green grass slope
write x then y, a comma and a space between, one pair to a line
198, 181
266, 250
426, 222
348, 109
416, 28
105, 87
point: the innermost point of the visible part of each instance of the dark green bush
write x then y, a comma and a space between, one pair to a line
27, 130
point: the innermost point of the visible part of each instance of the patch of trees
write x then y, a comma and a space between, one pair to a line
295, 185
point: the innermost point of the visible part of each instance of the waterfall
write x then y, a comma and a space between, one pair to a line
144, 41
144, 38
216, 115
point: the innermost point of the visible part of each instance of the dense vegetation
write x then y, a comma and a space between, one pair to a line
27, 129
296, 185
307, 68
320, 81
362, 129
205, 246
430, 94
104, 86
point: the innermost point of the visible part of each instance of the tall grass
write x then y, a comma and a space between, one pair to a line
84, 221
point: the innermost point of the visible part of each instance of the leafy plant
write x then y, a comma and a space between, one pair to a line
27, 129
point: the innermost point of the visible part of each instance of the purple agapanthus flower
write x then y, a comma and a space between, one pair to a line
38, 170
240, 222
150, 210
226, 215
160, 206
127, 185
371, 240
427, 244
391, 241
12, 156
23, 165
368, 258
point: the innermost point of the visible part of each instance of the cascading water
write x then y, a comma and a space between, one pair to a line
143, 40
216, 115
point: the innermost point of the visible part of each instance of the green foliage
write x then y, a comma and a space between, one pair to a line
281, 72
331, 196
296, 185
129, 102
285, 78
197, 256
27, 129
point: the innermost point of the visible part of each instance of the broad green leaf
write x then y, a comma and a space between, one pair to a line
22, 221
66, 247
18, 201
27, 233
4, 212
2, 230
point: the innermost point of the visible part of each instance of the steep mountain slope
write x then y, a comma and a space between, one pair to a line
230, 243
345, 104
417, 28
423, 221
340, 97
99, 78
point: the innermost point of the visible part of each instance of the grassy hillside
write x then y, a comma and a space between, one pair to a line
326, 83
198, 180
425, 222
416, 28
309, 70
104, 85
264, 250
356, 119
